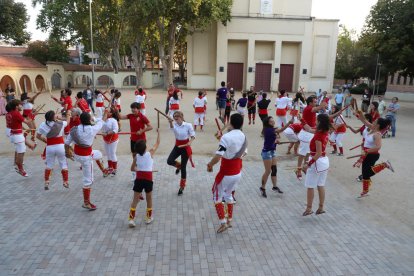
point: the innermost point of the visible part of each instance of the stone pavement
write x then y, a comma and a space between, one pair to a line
47, 232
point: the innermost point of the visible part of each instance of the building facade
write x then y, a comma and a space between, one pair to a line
400, 86
269, 44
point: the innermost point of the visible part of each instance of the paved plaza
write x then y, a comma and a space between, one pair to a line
47, 232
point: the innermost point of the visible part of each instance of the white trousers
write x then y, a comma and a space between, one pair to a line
19, 142
224, 189
198, 116
281, 120
53, 152
99, 112
317, 173
110, 150
336, 138
291, 135
305, 138
142, 111
87, 166
241, 110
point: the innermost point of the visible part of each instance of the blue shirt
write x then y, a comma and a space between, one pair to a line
222, 93
394, 106
339, 98
242, 102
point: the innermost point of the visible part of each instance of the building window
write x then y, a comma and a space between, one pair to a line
392, 79
399, 79
130, 80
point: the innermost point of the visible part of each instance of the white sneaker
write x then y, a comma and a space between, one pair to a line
133, 176
149, 220
131, 223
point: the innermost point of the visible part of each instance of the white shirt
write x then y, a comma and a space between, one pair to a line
44, 128
99, 98
27, 105
369, 141
174, 101
283, 102
183, 132
144, 163
86, 133
140, 98
231, 143
199, 102
110, 125
339, 120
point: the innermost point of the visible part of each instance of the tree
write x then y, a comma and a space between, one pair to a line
345, 56
13, 22
50, 50
389, 31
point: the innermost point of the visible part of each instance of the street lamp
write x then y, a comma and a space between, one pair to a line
92, 53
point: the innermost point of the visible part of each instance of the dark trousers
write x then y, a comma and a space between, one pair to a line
367, 164
90, 103
175, 153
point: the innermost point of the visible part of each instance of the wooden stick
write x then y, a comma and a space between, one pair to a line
119, 133
356, 146
162, 113
158, 119
282, 143
354, 156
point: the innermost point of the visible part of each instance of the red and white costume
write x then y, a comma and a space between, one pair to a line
317, 173
308, 118
144, 166
199, 109
232, 146
174, 105
117, 103
55, 148
83, 105
14, 119
337, 136
28, 109
282, 105
140, 98
100, 107
292, 131
111, 143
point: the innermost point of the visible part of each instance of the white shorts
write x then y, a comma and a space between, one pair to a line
241, 110
317, 173
19, 142
291, 135
305, 138
226, 187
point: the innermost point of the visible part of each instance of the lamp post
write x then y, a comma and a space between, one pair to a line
92, 53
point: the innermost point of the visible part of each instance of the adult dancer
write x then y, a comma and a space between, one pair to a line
27, 104
83, 136
184, 136
306, 134
318, 165
283, 103
82, 103
111, 139
291, 134
143, 165
269, 157
232, 147
199, 105
15, 120
221, 96
338, 134
51, 133
64, 100
370, 153
99, 104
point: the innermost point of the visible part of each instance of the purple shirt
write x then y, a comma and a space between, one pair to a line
242, 102
222, 93
269, 139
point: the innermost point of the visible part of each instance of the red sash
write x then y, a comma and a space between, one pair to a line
341, 129
142, 105
55, 141
82, 151
376, 152
227, 167
199, 109
294, 112
263, 111
175, 106
99, 104
16, 131
144, 175
110, 138
280, 112
28, 113
314, 153
187, 149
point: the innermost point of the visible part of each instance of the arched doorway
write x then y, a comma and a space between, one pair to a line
56, 81
83, 80
69, 79
130, 80
5, 80
40, 83
25, 84
105, 80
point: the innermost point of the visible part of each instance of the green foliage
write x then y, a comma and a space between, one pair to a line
13, 21
389, 31
345, 56
359, 89
51, 50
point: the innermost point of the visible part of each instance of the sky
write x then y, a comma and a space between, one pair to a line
351, 13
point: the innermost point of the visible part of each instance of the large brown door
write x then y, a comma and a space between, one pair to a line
263, 77
286, 77
235, 75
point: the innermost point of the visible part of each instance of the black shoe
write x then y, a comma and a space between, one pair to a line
276, 189
180, 191
177, 171
263, 191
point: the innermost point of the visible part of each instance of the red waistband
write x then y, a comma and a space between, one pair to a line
314, 153
27, 111
111, 138
181, 142
99, 104
263, 111
375, 152
16, 131
280, 111
82, 151
175, 106
55, 141
144, 175
142, 105
199, 109
341, 129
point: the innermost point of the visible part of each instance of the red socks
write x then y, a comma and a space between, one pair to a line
131, 213
47, 174
366, 183
334, 147
341, 150
65, 175
149, 212
220, 211
229, 211
182, 182
86, 195
379, 167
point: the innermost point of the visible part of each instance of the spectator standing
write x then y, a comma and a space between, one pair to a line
339, 99
392, 110
88, 96
10, 93
348, 102
366, 99
382, 106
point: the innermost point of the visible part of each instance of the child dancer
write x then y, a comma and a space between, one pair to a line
241, 104
199, 105
143, 165
174, 104
111, 139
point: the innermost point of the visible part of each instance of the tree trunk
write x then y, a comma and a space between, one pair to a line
137, 57
116, 58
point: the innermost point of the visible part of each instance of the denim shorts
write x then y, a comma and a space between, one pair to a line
222, 103
267, 155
